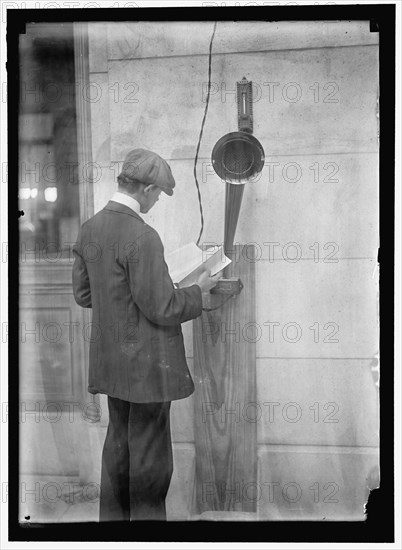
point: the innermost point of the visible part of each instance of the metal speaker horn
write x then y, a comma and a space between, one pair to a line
238, 157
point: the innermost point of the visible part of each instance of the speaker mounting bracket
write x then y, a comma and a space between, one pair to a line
245, 105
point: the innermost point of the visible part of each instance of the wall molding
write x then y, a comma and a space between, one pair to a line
84, 141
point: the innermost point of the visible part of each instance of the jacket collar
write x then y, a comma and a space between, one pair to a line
127, 200
122, 209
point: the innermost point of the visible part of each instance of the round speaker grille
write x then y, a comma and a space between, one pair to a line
238, 157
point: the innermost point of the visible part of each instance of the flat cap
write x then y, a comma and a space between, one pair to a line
149, 168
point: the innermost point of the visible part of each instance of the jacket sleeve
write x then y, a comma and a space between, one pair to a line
81, 286
152, 288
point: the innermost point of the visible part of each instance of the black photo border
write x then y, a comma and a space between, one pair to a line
379, 525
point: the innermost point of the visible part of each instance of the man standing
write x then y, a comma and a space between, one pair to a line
137, 355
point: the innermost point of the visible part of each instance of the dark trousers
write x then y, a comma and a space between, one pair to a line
137, 461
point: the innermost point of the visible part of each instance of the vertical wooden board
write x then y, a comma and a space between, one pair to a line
225, 380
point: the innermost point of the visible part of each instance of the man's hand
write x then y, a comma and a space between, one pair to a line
206, 282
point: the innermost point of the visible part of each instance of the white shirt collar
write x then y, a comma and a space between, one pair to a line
122, 198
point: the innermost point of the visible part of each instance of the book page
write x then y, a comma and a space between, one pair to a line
188, 262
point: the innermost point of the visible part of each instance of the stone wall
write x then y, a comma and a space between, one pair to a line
313, 216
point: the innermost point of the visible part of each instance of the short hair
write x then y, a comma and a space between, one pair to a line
130, 184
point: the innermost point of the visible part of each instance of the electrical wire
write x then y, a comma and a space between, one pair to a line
201, 132
196, 156
217, 307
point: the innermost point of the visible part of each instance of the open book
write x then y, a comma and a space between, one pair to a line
188, 262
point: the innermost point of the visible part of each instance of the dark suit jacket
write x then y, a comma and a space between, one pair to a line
136, 348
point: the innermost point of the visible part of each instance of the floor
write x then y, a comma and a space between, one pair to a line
57, 500
63, 500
